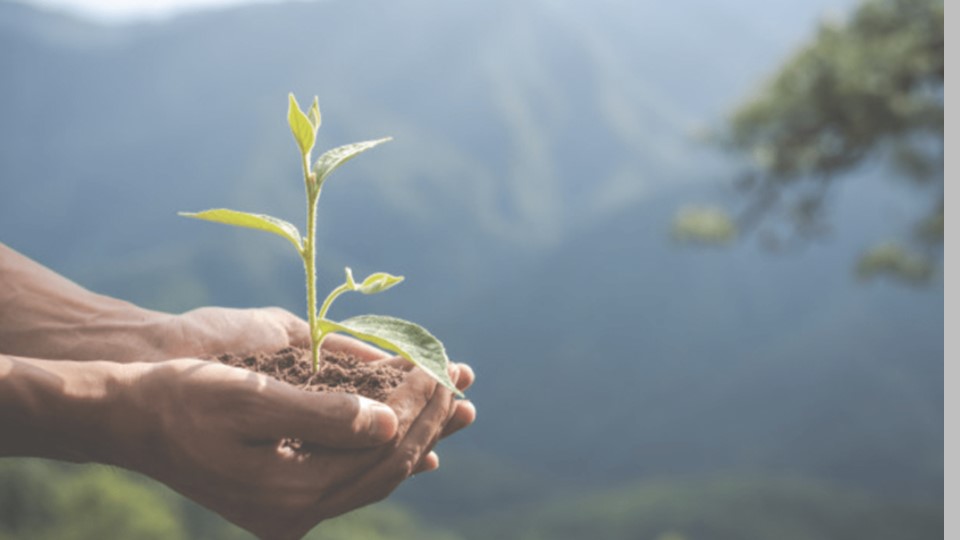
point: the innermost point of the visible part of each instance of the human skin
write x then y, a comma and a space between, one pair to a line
89, 378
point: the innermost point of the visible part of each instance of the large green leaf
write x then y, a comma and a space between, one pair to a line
303, 129
252, 221
405, 338
331, 159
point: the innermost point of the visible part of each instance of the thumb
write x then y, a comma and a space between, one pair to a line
330, 419
298, 331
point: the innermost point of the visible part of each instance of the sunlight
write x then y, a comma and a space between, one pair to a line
125, 11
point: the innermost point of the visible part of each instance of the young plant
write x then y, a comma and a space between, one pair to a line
405, 338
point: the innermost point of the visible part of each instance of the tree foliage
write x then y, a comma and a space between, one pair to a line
867, 88
870, 85
41, 500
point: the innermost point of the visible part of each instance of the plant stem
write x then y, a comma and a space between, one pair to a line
330, 298
310, 262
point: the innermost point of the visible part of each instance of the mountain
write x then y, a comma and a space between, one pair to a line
541, 148
546, 118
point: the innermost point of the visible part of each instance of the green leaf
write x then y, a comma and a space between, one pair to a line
331, 159
405, 338
251, 221
303, 130
379, 282
314, 114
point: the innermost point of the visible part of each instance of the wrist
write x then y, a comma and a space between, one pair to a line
50, 317
65, 410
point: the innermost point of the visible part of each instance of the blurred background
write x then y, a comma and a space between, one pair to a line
692, 249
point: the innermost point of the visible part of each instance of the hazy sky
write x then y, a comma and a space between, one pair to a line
119, 11
126, 10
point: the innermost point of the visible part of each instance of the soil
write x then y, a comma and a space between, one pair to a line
339, 372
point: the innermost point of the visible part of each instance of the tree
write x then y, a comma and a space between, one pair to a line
867, 88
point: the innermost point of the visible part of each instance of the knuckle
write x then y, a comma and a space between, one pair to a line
407, 463
279, 311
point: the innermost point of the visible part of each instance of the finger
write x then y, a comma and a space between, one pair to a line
410, 398
464, 414
353, 347
417, 400
404, 460
429, 463
333, 420
423, 433
466, 377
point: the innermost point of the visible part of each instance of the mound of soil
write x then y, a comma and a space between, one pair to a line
338, 372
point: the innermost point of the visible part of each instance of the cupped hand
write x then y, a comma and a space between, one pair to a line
213, 433
214, 330
210, 331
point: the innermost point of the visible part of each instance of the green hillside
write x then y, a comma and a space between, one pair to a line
41, 500
731, 508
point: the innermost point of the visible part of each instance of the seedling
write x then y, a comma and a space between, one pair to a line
405, 338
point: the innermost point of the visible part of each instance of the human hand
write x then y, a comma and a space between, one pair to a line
210, 331
131, 334
43, 315
211, 432
102, 328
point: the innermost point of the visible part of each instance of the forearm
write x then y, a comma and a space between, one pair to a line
70, 411
44, 315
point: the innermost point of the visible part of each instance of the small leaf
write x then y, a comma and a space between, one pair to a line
331, 159
300, 125
251, 221
378, 282
405, 338
314, 114
350, 282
